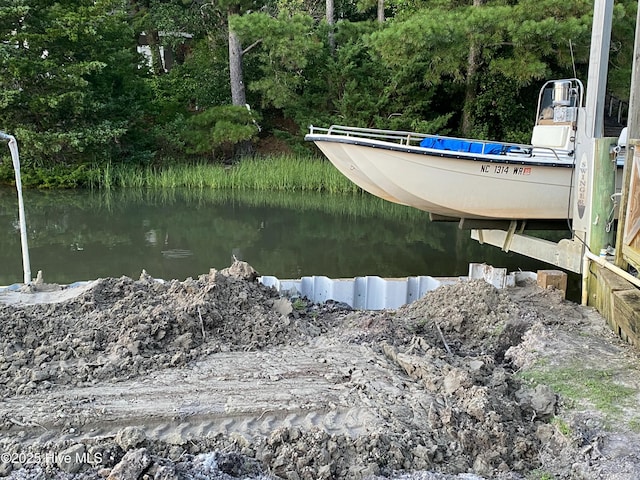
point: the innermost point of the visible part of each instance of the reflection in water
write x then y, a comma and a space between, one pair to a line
81, 235
151, 237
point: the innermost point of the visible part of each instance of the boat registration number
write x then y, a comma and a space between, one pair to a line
505, 170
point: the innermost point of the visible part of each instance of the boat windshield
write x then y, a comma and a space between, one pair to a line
559, 101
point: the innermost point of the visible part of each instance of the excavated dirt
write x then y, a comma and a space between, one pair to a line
220, 378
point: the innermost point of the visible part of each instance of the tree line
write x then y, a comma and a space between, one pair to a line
222, 77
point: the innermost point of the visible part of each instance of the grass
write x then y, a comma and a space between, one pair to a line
634, 424
562, 426
299, 304
580, 385
539, 475
277, 173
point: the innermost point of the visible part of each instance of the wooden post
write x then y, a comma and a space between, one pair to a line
604, 186
598, 62
601, 233
590, 163
592, 121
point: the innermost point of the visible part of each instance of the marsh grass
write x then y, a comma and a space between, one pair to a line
277, 173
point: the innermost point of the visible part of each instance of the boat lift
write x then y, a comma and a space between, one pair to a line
593, 180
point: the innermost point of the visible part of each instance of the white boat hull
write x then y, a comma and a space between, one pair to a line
340, 158
454, 184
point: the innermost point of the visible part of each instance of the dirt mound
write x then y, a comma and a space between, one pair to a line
220, 378
120, 328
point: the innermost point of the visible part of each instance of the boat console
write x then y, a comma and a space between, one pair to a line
559, 104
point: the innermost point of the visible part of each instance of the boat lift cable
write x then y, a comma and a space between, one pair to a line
573, 59
15, 157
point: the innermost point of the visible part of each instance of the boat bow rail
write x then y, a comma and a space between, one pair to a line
429, 142
394, 136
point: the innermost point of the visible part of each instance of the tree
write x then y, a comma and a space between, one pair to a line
218, 129
70, 87
285, 48
473, 64
331, 21
236, 76
232, 9
622, 44
209, 76
466, 48
364, 5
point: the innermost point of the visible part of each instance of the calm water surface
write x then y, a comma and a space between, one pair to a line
83, 235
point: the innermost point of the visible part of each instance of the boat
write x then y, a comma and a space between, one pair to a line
458, 178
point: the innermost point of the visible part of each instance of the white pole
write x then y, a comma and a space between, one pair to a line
13, 147
598, 67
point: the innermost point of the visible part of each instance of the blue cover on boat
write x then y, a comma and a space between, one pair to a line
431, 143
493, 148
462, 145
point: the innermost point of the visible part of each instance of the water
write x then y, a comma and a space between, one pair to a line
83, 235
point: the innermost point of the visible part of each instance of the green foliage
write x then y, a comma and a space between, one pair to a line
217, 127
72, 90
201, 81
172, 17
283, 54
538, 474
621, 52
299, 304
430, 44
56, 176
518, 45
510, 122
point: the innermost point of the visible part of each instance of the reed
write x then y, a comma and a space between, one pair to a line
277, 173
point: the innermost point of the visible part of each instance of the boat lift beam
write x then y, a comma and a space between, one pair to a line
498, 224
566, 254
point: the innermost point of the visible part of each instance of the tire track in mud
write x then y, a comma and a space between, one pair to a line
245, 394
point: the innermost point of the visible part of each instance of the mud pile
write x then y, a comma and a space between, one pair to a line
120, 328
218, 377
